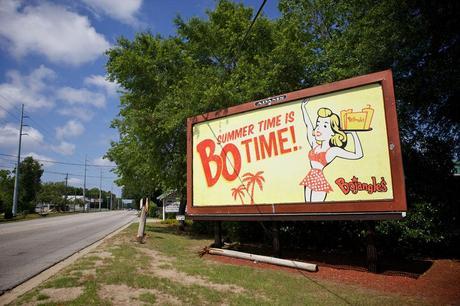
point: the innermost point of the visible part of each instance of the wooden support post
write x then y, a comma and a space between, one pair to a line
142, 220
371, 249
276, 239
217, 234
182, 206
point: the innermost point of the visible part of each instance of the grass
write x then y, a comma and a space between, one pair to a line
167, 270
147, 297
42, 297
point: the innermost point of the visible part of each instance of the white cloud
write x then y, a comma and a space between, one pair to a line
100, 81
72, 181
64, 148
81, 96
101, 161
71, 129
31, 90
49, 161
122, 10
9, 136
77, 112
52, 30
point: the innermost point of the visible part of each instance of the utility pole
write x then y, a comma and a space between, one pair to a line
100, 192
111, 195
65, 198
16, 179
74, 198
84, 188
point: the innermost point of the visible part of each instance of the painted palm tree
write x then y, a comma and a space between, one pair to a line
239, 192
252, 180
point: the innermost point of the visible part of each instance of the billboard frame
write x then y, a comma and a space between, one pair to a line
357, 210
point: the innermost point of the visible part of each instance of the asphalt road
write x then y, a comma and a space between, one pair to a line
29, 247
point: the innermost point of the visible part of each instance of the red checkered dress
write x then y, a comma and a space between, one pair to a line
316, 181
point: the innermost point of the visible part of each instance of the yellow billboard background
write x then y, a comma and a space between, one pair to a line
280, 176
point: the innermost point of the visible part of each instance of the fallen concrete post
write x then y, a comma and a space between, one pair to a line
266, 259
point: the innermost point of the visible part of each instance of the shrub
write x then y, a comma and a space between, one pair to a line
153, 210
8, 213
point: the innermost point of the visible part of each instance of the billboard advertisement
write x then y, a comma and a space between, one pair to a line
330, 151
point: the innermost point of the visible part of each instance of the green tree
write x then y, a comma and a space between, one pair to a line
206, 66
53, 193
166, 80
6, 191
30, 173
419, 41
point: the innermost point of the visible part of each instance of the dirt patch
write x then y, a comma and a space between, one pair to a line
62, 294
125, 295
88, 273
158, 267
103, 254
438, 285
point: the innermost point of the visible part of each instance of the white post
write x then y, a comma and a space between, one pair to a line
266, 259
143, 219
164, 214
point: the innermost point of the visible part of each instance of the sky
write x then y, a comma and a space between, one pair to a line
52, 61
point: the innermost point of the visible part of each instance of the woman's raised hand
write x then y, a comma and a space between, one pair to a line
305, 102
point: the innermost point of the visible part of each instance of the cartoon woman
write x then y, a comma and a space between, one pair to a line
327, 142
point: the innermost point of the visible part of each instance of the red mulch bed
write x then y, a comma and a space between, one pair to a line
439, 284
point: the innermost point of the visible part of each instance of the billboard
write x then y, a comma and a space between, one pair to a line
327, 152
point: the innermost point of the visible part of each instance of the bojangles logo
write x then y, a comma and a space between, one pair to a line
354, 185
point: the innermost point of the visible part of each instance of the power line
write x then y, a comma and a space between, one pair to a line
47, 132
81, 175
64, 173
15, 117
28, 117
252, 23
7, 159
61, 173
44, 130
4, 121
63, 163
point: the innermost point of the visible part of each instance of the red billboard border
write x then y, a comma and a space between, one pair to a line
361, 210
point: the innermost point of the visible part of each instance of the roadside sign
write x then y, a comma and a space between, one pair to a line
172, 207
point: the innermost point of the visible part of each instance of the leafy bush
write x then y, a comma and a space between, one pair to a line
420, 232
8, 214
153, 210
202, 227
